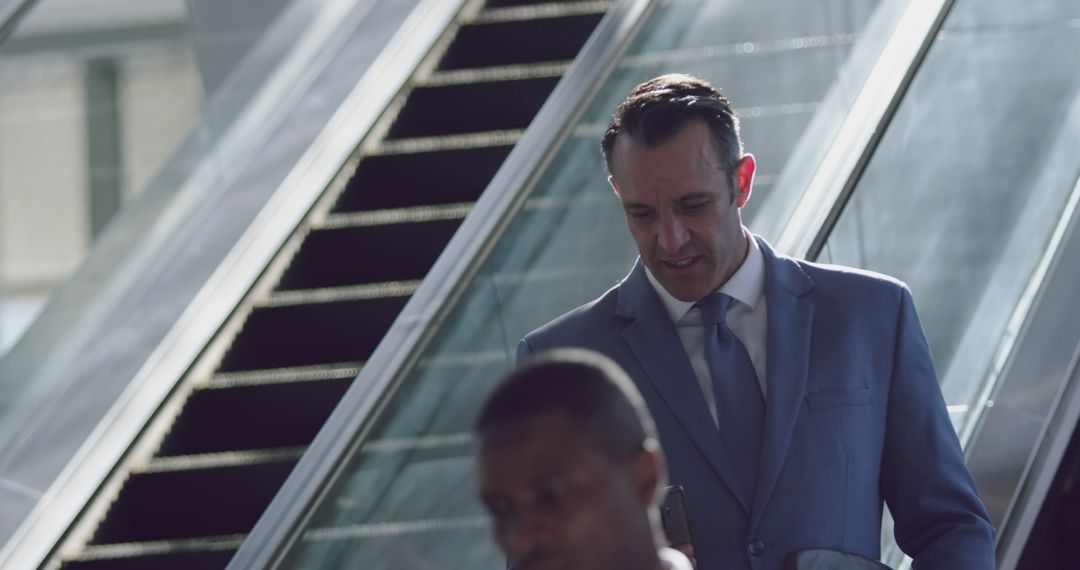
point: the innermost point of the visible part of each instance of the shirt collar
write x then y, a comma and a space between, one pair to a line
746, 285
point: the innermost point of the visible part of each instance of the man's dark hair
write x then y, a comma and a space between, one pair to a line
584, 387
660, 107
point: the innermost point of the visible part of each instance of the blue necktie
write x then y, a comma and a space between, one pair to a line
740, 408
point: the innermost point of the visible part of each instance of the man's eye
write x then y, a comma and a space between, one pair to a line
499, 509
549, 499
639, 214
694, 206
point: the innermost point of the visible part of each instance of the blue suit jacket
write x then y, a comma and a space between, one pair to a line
854, 417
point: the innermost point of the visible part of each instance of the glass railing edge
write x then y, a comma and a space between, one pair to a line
344, 431
1058, 271
812, 220
11, 15
1049, 452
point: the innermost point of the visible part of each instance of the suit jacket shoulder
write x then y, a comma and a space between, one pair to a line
587, 326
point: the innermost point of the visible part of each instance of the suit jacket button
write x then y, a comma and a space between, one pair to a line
755, 547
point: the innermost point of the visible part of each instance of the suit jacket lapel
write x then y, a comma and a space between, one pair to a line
655, 343
788, 349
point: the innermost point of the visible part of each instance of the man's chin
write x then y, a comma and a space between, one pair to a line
544, 561
685, 290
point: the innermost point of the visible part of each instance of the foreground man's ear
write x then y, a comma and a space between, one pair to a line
645, 470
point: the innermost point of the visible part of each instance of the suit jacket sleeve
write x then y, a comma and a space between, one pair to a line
940, 521
524, 351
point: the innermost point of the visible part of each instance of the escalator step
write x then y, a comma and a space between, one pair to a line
364, 292
441, 143
505, 3
193, 503
498, 73
304, 335
411, 215
404, 180
329, 371
366, 254
471, 108
520, 41
222, 459
168, 560
253, 417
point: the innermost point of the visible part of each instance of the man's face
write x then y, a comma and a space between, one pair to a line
680, 208
555, 502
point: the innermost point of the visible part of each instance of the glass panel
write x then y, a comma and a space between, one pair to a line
407, 498
90, 108
966, 187
961, 196
94, 102
115, 161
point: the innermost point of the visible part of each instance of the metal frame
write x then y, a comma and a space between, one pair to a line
189, 330
351, 420
11, 15
1015, 445
840, 169
1038, 429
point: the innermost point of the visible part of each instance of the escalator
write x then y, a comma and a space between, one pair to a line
390, 480
231, 432
253, 456
395, 489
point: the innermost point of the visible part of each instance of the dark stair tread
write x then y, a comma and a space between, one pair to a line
300, 335
404, 180
471, 108
368, 254
523, 41
216, 559
194, 503
253, 417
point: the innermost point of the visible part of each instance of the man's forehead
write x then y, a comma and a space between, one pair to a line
675, 162
526, 430
692, 137
525, 453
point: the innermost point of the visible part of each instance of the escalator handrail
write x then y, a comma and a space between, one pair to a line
346, 428
841, 168
12, 15
1055, 279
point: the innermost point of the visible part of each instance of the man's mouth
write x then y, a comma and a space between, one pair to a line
681, 262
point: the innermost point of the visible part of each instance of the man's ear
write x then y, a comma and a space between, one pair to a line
611, 180
646, 474
744, 179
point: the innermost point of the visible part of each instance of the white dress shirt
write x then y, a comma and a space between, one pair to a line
747, 318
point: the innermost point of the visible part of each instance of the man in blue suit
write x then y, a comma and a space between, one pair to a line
792, 398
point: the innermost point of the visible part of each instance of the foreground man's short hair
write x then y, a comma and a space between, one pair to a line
585, 387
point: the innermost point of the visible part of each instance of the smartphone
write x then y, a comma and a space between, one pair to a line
673, 514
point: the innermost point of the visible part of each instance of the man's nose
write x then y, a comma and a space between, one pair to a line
671, 235
529, 534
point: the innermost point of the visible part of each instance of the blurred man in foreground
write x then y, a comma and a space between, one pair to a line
570, 469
